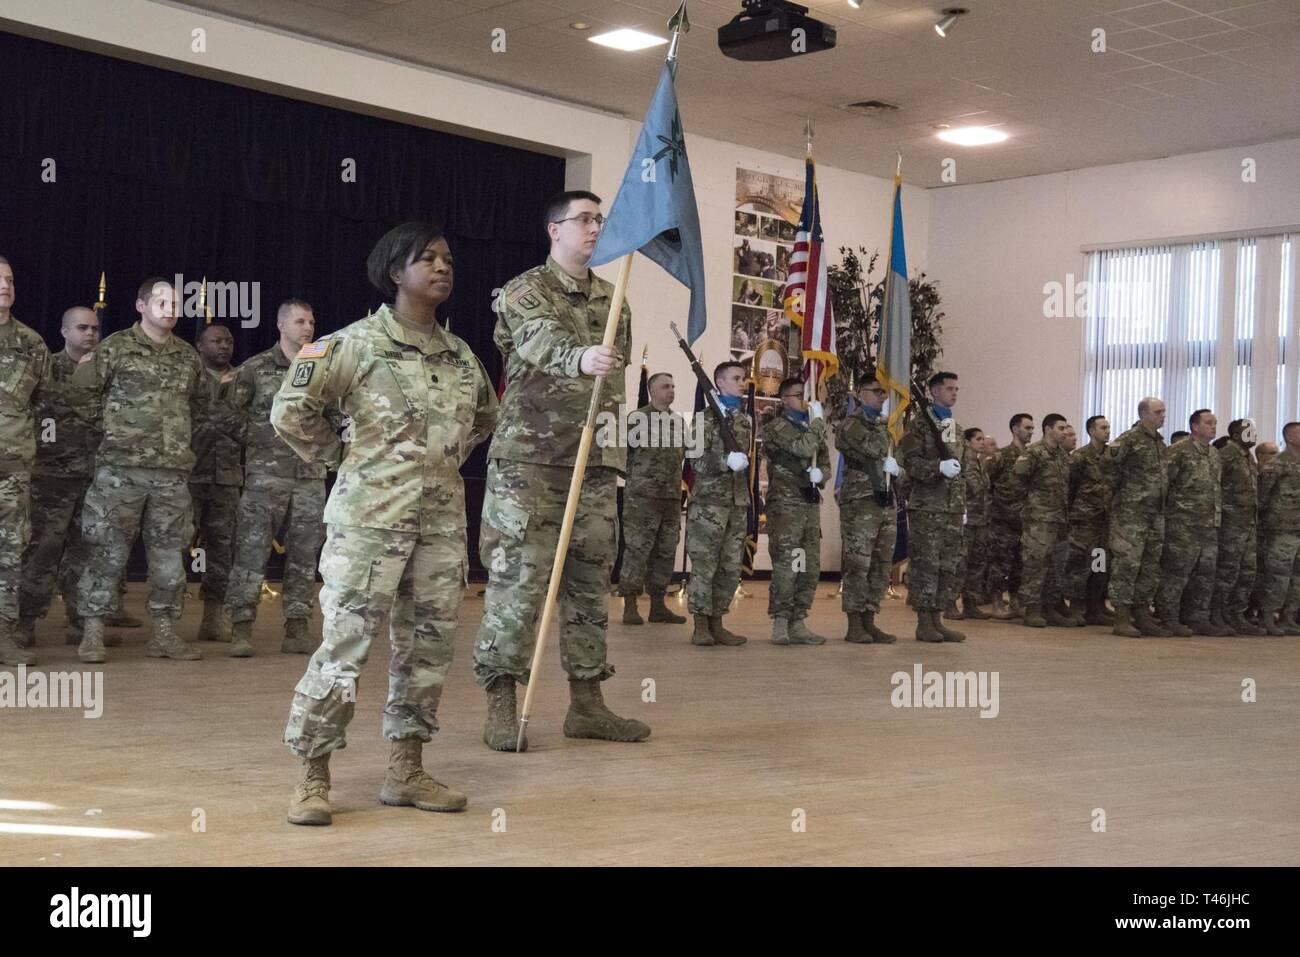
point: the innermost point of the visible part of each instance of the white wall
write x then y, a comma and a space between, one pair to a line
855, 208
994, 246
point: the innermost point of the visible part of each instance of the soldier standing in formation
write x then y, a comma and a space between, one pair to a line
1006, 520
1043, 472
716, 519
974, 531
652, 503
1238, 531
798, 465
1191, 542
868, 514
214, 485
280, 489
1090, 493
67, 432
931, 455
1279, 522
24, 359
550, 326
419, 401
1137, 522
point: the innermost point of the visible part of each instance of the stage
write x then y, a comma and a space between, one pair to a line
760, 755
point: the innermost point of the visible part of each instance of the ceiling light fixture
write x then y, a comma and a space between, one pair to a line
580, 25
973, 135
950, 16
856, 4
627, 40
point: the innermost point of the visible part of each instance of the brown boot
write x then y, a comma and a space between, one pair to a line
1146, 622
1017, 609
91, 650
970, 608
879, 636
946, 633
659, 612
407, 784
501, 733
780, 631
589, 718
1241, 626
297, 637
1096, 613
241, 640
10, 652
1034, 616
703, 634
1124, 626
1287, 621
1052, 615
122, 619
1001, 610
857, 633
25, 633
925, 630
1272, 627
800, 635
721, 636
630, 615
215, 626
1072, 612
164, 643
1169, 621
952, 612
311, 798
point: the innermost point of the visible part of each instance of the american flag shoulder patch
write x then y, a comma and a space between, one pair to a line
315, 350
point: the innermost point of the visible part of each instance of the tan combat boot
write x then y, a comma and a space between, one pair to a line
25, 632
1052, 615
946, 633
164, 642
214, 626
721, 636
409, 785
91, 649
1146, 623
925, 630
857, 633
1001, 611
780, 631
76, 630
297, 637
703, 634
800, 635
501, 733
1034, 616
970, 608
659, 612
1169, 621
878, 635
311, 798
122, 619
1287, 622
630, 614
952, 612
1241, 626
1124, 626
10, 653
589, 718
241, 644
1097, 613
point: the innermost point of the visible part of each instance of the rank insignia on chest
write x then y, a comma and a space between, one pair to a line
302, 374
314, 350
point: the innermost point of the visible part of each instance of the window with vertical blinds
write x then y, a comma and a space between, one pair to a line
1208, 324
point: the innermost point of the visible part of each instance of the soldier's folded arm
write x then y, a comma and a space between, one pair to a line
315, 380
796, 441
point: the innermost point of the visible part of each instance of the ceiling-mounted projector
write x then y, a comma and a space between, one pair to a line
773, 30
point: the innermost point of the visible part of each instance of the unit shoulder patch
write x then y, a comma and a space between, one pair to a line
302, 373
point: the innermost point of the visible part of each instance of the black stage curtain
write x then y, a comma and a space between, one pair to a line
159, 173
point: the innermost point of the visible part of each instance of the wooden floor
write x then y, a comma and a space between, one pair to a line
1154, 732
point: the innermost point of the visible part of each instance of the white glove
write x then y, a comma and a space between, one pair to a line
815, 475
737, 461
814, 410
891, 466
951, 468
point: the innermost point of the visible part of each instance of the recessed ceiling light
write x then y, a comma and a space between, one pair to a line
950, 16
580, 25
627, 40
972, 135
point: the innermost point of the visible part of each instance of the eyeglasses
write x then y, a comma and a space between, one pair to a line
584, 220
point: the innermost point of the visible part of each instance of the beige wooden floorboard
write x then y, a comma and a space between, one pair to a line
1152, 731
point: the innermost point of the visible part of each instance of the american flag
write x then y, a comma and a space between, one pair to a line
807, 295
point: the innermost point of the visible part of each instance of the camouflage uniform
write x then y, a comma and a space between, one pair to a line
793, 522
1238, 535
154, 402
1137, 517
546, 320
1090, 494
419, 401
1043, 472
61, 476
214, 492
24, 359
868, 517
976, 531
280, 488
934, 509
652, 503
1005, 507
716, 521
1191, 543
1279, 523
